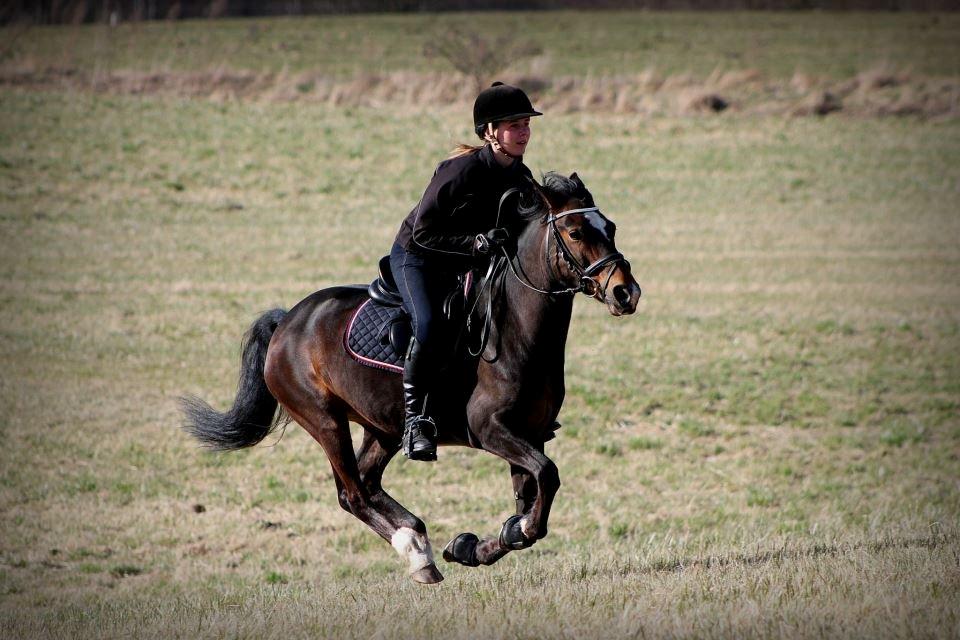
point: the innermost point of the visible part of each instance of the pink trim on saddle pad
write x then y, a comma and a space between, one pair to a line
376, 364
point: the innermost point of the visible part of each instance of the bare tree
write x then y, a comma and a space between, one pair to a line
478, 57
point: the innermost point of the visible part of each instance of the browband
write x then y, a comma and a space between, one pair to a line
557, 216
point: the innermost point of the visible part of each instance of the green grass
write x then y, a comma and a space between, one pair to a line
573, 43
768, 448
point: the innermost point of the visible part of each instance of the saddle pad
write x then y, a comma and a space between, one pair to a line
366, 337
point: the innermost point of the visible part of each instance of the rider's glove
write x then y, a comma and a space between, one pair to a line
486, 243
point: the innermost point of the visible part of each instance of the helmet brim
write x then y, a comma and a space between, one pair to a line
514, 116
505, 118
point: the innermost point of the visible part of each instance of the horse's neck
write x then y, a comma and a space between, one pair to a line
535, 324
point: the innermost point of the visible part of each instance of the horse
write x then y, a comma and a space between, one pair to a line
294, 366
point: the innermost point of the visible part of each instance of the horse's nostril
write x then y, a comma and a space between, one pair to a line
621, 294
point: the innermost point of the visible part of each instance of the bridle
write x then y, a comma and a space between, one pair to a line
588, 283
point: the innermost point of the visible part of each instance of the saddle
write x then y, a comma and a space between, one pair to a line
379, 330
383, 291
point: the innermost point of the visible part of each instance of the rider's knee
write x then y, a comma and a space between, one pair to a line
426, 335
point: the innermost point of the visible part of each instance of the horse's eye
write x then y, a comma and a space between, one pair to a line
576, 234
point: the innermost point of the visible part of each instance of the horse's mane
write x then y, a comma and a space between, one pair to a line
556, 187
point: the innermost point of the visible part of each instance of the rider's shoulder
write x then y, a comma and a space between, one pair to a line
460, 168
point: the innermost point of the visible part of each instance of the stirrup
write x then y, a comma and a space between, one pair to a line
423, 445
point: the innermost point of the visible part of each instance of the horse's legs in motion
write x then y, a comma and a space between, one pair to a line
535, 483
489, 550
382, 514
410, 537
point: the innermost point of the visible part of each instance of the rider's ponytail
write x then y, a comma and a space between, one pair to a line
463, 149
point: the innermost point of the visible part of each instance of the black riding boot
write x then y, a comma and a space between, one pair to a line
419, 430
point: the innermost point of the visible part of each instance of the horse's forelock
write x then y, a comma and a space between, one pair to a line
564, 188
532, 206
557, 187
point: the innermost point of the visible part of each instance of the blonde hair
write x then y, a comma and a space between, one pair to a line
464, 149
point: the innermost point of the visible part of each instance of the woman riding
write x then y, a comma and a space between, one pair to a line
454, 223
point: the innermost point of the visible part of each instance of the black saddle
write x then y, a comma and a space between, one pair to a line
396, 330
394, 323
384, 289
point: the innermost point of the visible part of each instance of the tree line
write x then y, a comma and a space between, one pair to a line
115, 11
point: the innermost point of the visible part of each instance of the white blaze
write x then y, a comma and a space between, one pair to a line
413, 547
597, 221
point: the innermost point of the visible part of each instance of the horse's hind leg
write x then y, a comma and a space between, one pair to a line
333, 433
410, 536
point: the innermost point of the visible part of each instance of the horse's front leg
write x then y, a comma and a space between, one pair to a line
535, 483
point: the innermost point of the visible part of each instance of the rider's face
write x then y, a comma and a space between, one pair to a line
513, 135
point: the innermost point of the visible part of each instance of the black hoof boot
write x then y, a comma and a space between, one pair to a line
463, 550
420, 439
511, 535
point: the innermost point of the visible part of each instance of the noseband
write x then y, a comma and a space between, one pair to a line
588, 283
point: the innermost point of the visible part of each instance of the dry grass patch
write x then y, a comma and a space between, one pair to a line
871, 93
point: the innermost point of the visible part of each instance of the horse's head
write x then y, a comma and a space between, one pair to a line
581, 247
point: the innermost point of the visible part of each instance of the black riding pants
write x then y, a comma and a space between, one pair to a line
423, 285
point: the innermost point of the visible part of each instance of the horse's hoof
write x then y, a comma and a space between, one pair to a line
428, 575
462, 549
512, 535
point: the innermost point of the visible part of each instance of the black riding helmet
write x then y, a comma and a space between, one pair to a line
500, 102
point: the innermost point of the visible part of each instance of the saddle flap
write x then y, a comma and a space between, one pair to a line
400, 333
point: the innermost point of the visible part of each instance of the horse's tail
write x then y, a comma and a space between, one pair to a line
254, 412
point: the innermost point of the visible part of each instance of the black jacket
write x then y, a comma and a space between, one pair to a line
460, 202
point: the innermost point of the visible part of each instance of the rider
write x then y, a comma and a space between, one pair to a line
451, 226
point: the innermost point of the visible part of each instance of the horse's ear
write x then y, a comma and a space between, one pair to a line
582, 190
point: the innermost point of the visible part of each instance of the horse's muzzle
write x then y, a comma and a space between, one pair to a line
623, 298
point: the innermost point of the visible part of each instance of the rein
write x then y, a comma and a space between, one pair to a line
492, 269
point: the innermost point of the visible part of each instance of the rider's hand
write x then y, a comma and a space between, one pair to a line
488, 242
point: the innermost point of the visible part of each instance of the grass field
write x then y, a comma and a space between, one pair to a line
769, 448
598, 43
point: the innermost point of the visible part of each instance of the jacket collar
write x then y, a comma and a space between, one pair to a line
486, 155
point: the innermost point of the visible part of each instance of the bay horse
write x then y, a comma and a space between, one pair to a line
505, 402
